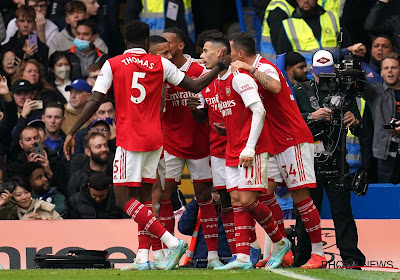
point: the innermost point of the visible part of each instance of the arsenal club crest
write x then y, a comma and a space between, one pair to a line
228, 90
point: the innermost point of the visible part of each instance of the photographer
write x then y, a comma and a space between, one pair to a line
384, 100
327, 122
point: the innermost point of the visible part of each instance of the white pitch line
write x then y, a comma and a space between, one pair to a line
291, 274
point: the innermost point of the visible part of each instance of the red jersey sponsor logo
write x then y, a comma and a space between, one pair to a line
213, 102
225, 107
179, 98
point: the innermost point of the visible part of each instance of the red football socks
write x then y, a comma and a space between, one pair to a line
263, 216
141, 215
167, 218
209, 224
311, 219
269, 200
243, 222
229, 225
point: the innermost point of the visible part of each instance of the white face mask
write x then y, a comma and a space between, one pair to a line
63, 72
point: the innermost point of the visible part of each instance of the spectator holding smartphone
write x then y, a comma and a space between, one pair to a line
52, 164
44, 28
20, 206
27, 106
9, 62
25, 21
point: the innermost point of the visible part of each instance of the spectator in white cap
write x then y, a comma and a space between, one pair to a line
81, 92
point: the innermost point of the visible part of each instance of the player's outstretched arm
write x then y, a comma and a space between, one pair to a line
196, 85
264, 79
87, 112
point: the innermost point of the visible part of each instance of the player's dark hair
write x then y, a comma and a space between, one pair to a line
180, 34
136, 31
202, 38
156, 39
214, 36
99, 181
245, 42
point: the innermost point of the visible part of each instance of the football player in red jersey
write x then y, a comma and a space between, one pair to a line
246, 157
158, 46
186, 142
137, 78
290, 140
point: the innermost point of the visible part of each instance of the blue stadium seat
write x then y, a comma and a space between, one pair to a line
246, 9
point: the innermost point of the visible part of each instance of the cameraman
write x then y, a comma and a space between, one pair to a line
314, 113
384, 100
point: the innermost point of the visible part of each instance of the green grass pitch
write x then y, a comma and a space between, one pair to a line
195, 274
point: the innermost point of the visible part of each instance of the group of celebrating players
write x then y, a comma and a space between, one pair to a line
244, 120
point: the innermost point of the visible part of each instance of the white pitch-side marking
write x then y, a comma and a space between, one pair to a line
291, 274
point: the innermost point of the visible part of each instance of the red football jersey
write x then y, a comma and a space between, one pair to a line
237, 91
184, 137
137, 78
217, 142
286, 126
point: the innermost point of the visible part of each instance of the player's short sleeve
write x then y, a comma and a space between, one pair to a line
171, 73
269, 70
104, 79
247, 88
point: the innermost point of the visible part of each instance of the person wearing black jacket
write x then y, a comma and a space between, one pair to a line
96, 158
8, 120
313, 112
19, 42
95, 200
52, 164
84, 53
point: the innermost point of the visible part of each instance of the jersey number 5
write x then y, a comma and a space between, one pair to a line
140, 87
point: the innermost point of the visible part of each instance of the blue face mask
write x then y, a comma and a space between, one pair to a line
82, 45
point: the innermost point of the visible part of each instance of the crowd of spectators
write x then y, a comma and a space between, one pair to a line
51, 54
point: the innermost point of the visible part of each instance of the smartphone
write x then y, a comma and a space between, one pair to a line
38, 148
9, 186
33, 39
39, 104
